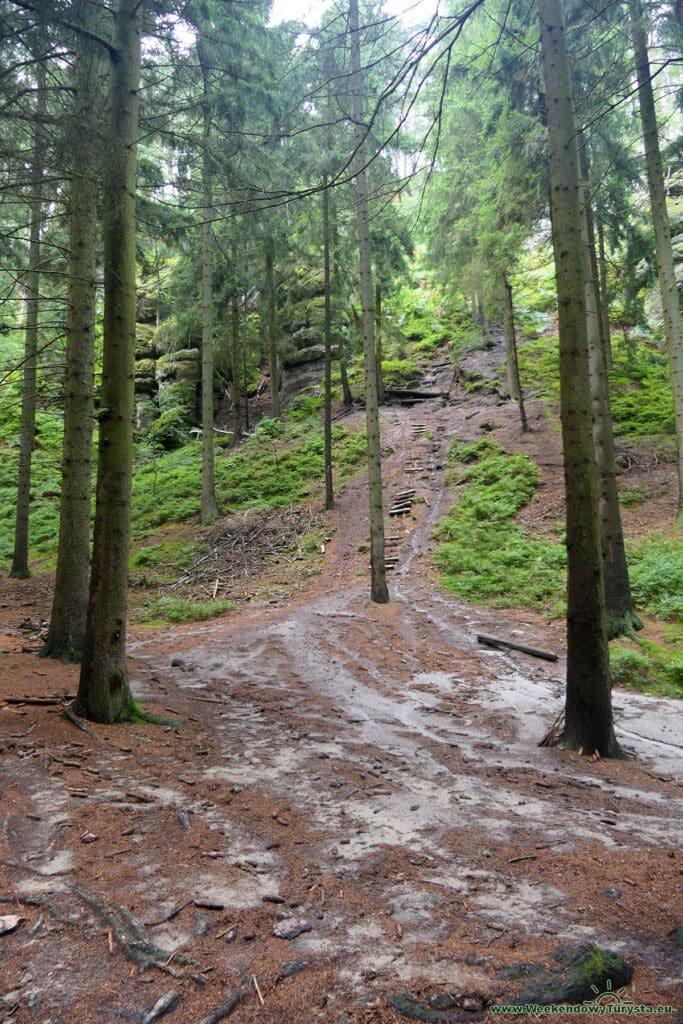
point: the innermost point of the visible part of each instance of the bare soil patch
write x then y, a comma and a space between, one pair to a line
367, 776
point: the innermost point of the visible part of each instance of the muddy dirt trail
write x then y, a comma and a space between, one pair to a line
355, 805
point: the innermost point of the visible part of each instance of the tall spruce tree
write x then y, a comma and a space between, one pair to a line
104, 693
66, 633
671, 309
31, 289
588, 706
378, 589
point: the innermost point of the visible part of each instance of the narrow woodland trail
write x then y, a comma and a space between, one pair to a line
367, 776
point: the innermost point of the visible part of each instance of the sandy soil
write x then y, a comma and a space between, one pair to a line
370, 772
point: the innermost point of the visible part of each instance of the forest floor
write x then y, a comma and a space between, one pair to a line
366, 775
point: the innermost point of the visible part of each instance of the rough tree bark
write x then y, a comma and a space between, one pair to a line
619, 607
245, 367
588, 705
604, 296
104, 691
273, 360
209, 505
329, 483
378, 341
378, 590
27, 430
671, 310
511, 360
66, 634
236, 364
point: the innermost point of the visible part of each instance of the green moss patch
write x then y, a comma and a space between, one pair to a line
485, 556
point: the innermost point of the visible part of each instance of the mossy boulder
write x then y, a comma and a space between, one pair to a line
310, 354
182, 365
580, 973
145, 376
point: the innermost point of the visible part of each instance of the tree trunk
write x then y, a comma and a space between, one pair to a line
619, 607
27, 431
347, 394
378, 340
245, 373
66, 635
671, 310
511, 360
104, 690
604, 296
588, 708
482, 314
209, 506
236, 362
272, 329
378, 592
329, 483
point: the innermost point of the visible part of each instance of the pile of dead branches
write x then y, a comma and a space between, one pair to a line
242, 545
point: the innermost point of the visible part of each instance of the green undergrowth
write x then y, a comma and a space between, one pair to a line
164, 610
400, 373
539, 367
647, 666
485, 556
419, 320
640, 388
281, 464
656, 573
45, 485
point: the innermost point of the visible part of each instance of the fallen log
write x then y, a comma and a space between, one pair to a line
535, 652
39, 701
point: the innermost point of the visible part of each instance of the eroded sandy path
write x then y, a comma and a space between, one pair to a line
369, 771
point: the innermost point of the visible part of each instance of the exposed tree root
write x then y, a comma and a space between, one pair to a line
444, 1009
131, 937
224, 1009
165, 1004
75, 720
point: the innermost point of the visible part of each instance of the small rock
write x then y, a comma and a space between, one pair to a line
612, 893
202, 926
176, 662
291, 928
9, 923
